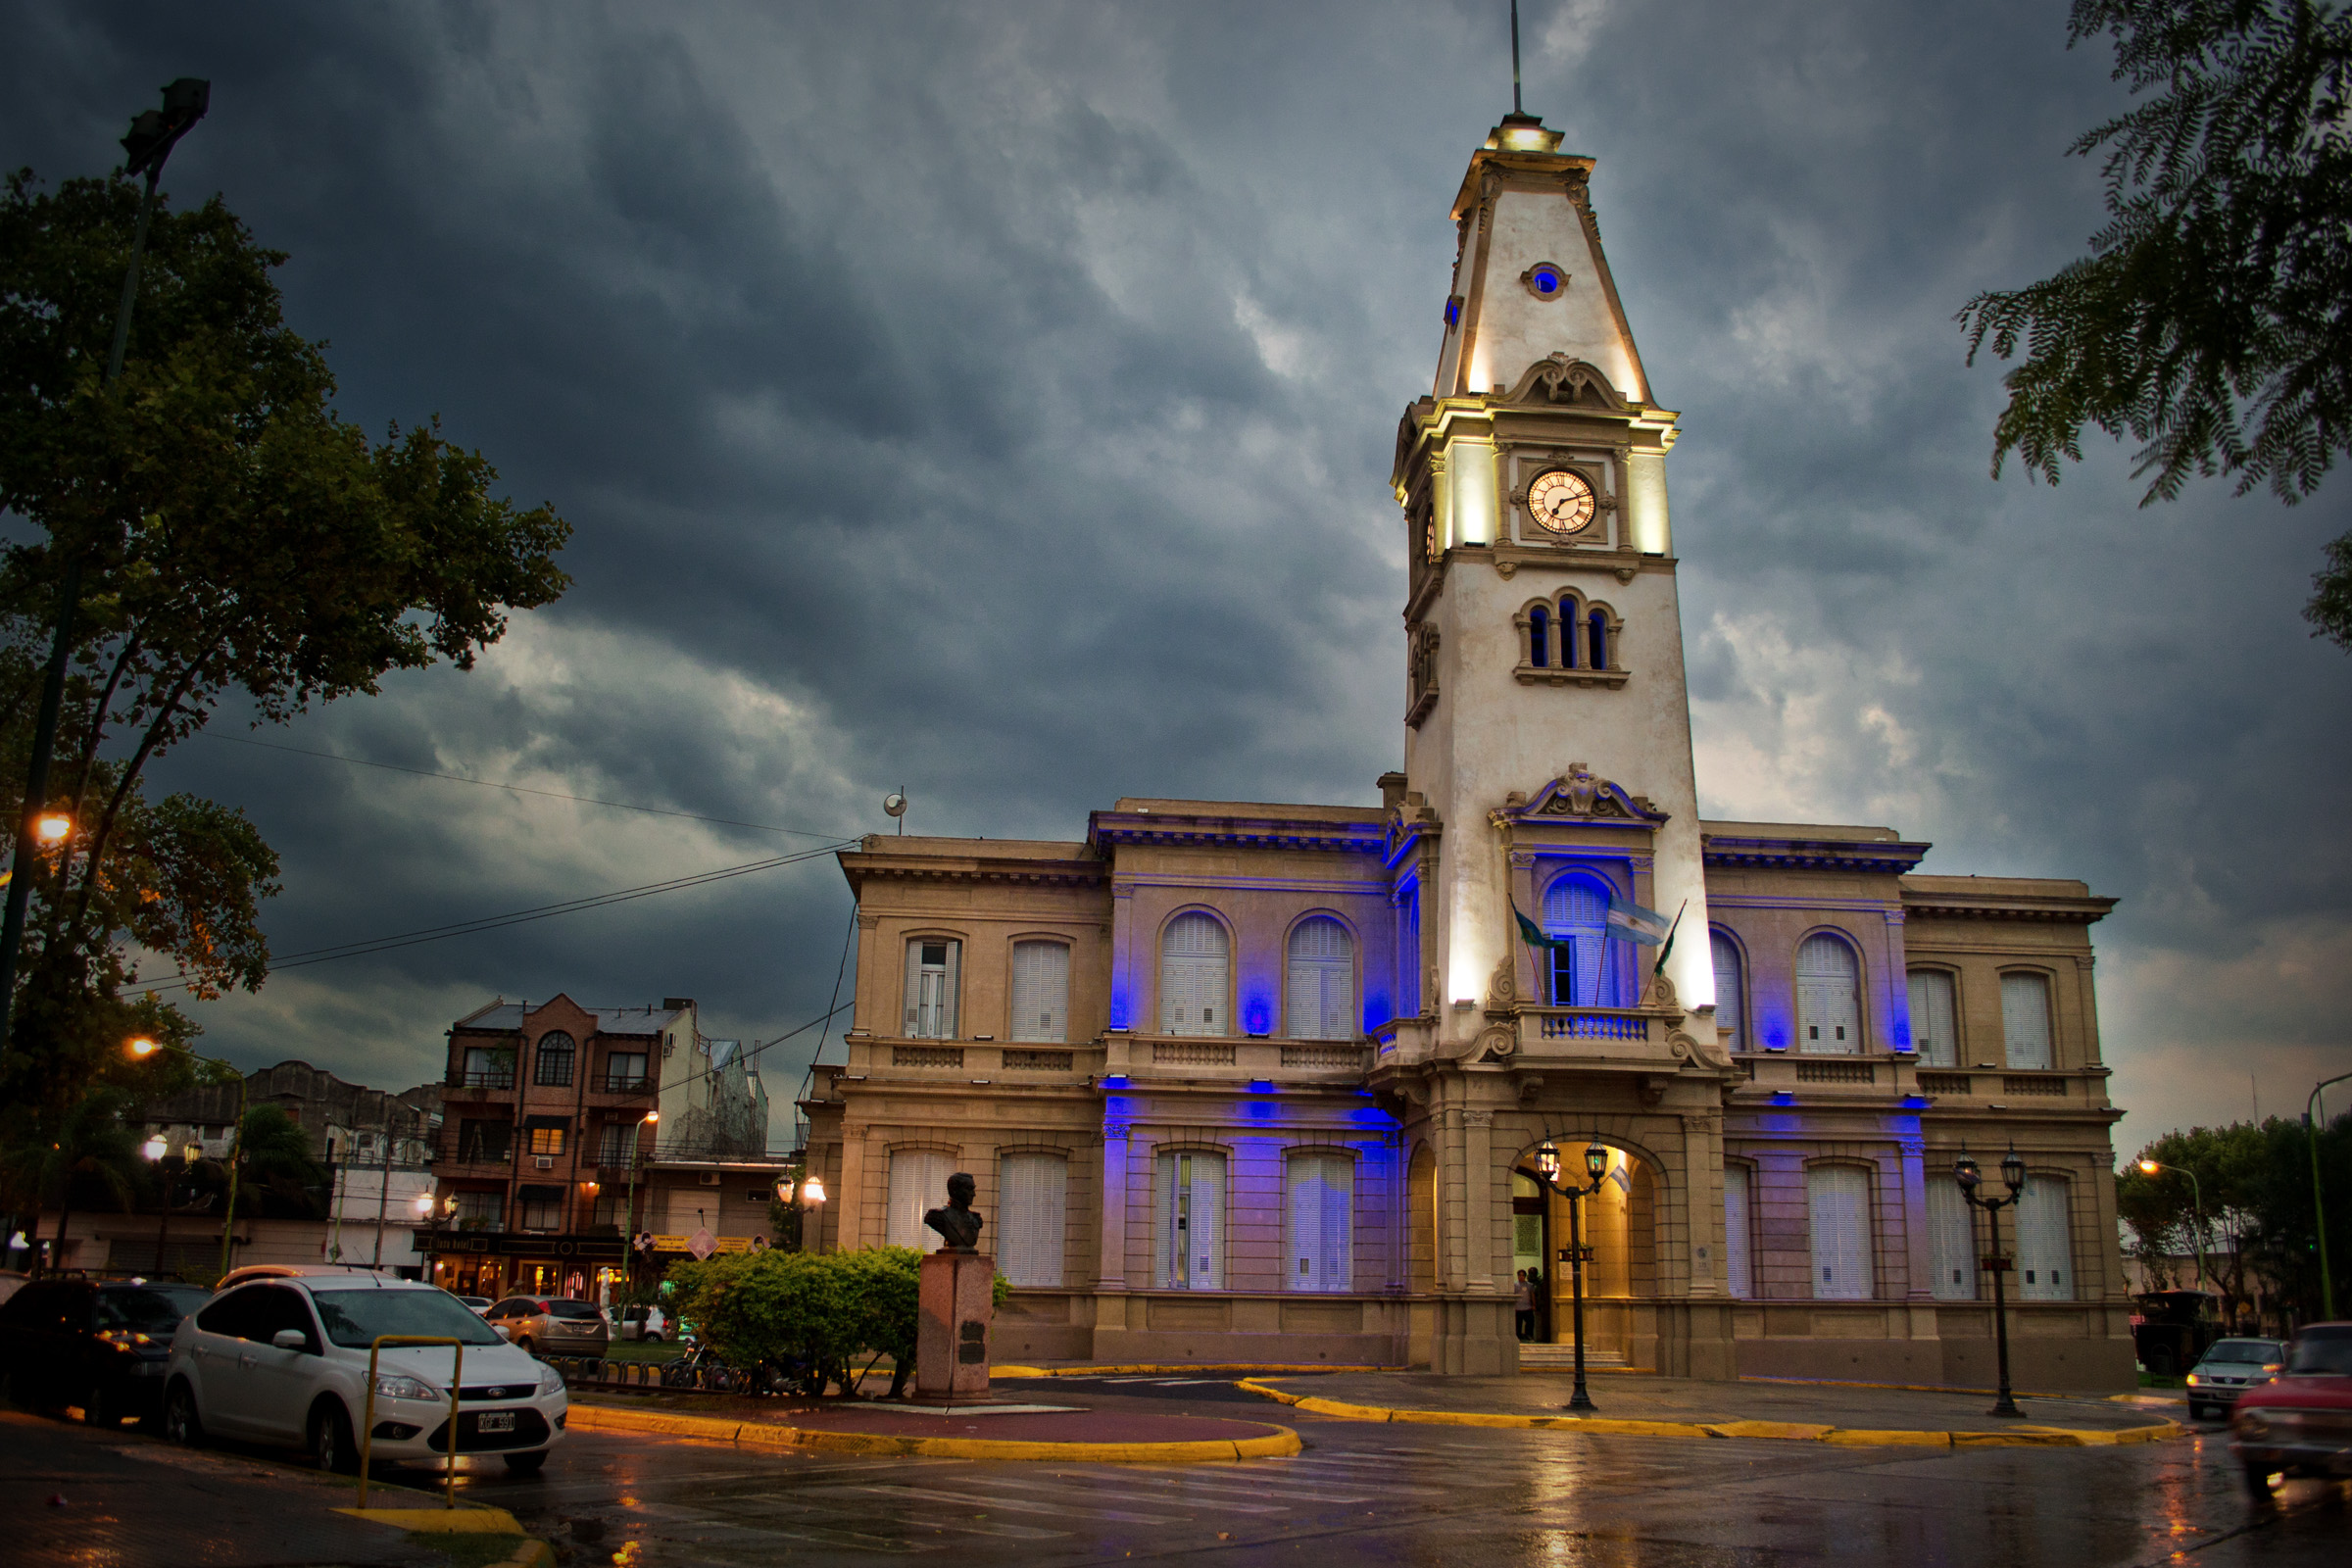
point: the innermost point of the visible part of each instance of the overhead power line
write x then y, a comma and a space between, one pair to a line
518, 789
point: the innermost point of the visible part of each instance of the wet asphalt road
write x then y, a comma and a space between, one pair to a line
1372, 1492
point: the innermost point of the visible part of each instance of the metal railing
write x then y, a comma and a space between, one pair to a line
624, 1083
457, 1383
486, 1078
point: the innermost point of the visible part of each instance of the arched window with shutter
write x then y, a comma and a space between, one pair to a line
1576, 908
1322, 1196
1951, 1241
932, 964
1829, 997
1189, 1192
1730, 989
1320, 996
1195, 977
1838, 1207
918, 1184
2025, 1019
1041, 991
2046, 1248
1934, 1018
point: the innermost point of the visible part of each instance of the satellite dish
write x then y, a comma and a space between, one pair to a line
895, 804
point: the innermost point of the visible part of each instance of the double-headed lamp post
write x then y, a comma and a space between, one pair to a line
1597, 1165
142, 1046
2012, 1176
801, 1196
2149, 1167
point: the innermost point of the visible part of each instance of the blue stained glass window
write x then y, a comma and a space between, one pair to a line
1538, 638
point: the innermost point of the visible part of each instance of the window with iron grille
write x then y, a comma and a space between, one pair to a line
558, 1051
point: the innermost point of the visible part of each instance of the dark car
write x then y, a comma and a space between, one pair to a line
97, 1344
2228, 1368
551, 1325
2301, 1422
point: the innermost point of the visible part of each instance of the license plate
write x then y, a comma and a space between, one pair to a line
495, 1421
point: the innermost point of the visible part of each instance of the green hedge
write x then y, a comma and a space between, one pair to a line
825, 1307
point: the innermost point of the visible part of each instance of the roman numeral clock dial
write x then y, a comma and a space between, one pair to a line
1560, 500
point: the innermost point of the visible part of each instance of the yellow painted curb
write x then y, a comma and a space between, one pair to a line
1281, 1443
1784, 1430
1154, 1369
442, 1521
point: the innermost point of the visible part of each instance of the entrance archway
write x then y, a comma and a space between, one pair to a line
1620, 1226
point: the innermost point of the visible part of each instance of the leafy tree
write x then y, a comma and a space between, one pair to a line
238, 541
2213, 319
92, 1159
2259, 1226
280, 1177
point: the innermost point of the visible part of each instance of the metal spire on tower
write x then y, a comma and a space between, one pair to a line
1515, 108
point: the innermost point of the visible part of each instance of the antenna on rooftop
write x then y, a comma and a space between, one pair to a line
894, 804
1515, 109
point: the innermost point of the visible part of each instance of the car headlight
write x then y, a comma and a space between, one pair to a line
2192, 1379
551, 1381
395, 1386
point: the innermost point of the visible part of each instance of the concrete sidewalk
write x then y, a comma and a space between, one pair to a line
1819, 1411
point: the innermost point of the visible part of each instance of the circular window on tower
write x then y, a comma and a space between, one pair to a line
1545, 280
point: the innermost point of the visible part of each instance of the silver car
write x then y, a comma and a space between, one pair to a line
551, 1325
2227, 1369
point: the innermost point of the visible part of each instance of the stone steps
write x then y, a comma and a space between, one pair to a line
1562, 1357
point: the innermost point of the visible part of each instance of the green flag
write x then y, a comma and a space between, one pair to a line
1533, 934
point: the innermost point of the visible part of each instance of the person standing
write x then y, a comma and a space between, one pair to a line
1523, 1309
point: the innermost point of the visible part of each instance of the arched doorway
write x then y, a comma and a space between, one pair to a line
1620, 1225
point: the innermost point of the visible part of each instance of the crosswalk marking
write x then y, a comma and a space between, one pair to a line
1174, 1485
1057, 1510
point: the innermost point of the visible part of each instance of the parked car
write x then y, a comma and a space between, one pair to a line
2301, 1422
647, 1323
283, 1361
2228, 1368
97, 1344
551, 1325
286, 1271
478, 1304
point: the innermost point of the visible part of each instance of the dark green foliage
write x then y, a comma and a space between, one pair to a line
2257, 1219
281, 1178
827, 1307
2213, 319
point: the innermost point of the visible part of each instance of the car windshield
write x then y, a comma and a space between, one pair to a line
2323, 1354
2254, 1350
149, 1309
356, 1318
572, 1310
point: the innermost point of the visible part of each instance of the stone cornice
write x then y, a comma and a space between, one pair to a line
860, 866
1882, 856
2059, 909
1108, 828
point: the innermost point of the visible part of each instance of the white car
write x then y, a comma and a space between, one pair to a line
283, 1361
648, 1323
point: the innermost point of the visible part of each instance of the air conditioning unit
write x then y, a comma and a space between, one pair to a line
544, 1161
710, 1178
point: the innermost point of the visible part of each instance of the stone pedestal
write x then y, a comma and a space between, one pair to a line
951, 1347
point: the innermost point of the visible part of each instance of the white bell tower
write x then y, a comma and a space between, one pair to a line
1547, 715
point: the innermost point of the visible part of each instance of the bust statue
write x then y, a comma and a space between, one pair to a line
957, 1224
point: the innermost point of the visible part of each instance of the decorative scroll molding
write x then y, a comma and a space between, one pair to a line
1560, 381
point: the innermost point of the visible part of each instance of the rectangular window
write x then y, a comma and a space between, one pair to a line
1408, 952
624, 1072
1041, 991
1190, 1194
475, 1210
760, 1195
2025, 1019
542, 1210
918, 1184
2045, 1253
931, 965
615, 1143
484, 1142
1322, 1193
1838, 1200
1738, 1267
1934, 1018
1034, 1215
486, 1068
611, 1206
1951, 1240
547, 1141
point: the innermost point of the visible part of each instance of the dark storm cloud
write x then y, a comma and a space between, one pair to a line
998, 401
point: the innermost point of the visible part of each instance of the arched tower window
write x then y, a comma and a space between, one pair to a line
1321, 994
1576, 908
1538, 637
558, 1053
1829, 997
1727, 989
1195, 978
1598, 639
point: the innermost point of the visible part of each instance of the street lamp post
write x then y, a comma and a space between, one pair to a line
628, 1225
1596, 1166
154, 1148
144, 1047
2149, 1167
153, 135
801, 1196
2314, 1120
2012, 1176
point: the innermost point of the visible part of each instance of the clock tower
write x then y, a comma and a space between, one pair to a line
1542, 629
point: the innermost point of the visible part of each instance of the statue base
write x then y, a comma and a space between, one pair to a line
950, 1349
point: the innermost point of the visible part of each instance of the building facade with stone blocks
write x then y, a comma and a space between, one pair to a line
1273, 1083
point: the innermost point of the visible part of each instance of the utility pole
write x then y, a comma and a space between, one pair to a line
383, 1188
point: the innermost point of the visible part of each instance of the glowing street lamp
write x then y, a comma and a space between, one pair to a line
2149, 1167
1596, 1166
143, 1047
52, 827
628, 1218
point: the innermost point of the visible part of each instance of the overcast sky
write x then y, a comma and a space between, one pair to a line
998, 401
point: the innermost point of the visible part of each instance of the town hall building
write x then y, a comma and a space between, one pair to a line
1273, 1083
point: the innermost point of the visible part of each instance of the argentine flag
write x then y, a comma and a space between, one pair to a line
1629, 923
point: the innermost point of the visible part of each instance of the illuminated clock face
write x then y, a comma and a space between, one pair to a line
1560, 500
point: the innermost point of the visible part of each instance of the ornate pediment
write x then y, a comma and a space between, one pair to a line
1558, 381
1581, 795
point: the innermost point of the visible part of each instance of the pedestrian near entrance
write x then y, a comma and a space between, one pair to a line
1523, 1309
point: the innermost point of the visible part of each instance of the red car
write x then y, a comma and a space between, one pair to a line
2299, 1423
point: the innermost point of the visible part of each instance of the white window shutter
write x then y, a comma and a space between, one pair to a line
1934, 1018
1738, 1269
1194, 977
1032, 1218
1829, 1000
1727, 987
952, 992
1192, 1220
1952, 1241
1838, 1199
914, 989
1041, 991
2025, 1019
918, 1184
1322, 981
1321, 1195
2045, 1261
